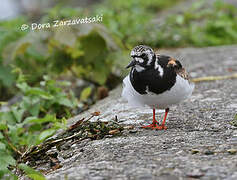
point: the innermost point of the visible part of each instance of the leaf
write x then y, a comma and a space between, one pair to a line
46, 134
64, 83
36, 176
22, 48
39, 92
22, 86
10, 175
2, 103
74, 52
96, 113
47, 118
65, 102
6, 160
1, 136
12, 50
86, 92
180, 19
6, 77
90, 43
34, 111
10, 31
2, 146
3, 127
17, 113
31, 173
65, 36
107, 36
100, 76
37, 52
7, 117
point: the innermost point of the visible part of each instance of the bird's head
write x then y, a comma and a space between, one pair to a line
142, 57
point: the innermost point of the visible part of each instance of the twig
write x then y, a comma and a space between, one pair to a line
10, 143
214, 78
48, 144
65, 139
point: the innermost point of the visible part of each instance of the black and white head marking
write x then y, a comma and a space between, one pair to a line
143, 57
158, 67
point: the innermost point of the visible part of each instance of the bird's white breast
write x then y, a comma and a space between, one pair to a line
181, 90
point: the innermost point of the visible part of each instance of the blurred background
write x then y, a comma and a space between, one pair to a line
92, 56
50, 74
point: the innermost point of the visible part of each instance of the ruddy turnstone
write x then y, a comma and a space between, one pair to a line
155, 80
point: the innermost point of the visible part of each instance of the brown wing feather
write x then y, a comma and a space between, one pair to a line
178, 68
182, 72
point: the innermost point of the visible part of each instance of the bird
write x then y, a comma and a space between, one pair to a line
157, 81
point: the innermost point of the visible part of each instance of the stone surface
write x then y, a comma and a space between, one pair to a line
201, 123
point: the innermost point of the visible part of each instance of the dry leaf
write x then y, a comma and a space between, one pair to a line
115, 131
96, 113
232, 151
128, 127
76, 124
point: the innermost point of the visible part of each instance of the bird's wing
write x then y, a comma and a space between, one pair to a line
167, 61
182, 72
178, 68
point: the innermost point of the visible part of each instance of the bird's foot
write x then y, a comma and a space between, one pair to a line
155, 126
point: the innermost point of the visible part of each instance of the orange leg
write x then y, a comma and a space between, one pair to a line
154, 124
163, 122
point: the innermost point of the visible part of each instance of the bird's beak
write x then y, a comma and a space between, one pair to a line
131, 64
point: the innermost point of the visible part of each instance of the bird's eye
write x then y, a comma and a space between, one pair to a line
144, 56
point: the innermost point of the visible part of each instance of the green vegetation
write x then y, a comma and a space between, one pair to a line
85, 51
234, 121
38, 115
201, 25
130, 20
35, 64
9, 32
